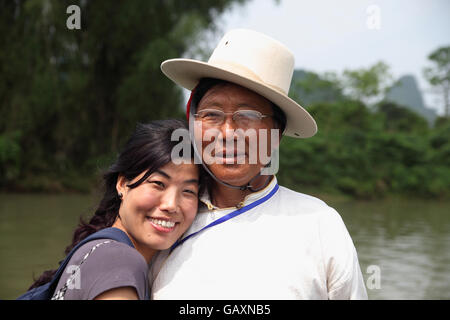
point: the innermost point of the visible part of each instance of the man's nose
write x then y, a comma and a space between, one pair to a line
228, 128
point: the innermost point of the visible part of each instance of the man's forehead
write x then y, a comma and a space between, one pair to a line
230, 93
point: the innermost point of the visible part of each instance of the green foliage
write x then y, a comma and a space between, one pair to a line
75, 95
369, 154
438, 75
401, 119
69, 98
10, 157
367, 84
441, 71
364, 149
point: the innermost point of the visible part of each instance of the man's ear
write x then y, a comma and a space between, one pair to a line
121, 185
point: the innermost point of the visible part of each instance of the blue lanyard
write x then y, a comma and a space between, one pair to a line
229, 216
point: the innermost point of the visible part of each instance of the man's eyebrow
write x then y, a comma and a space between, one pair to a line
214, 103
210, 103
191, 181
246, 105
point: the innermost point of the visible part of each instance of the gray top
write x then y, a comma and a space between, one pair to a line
111, 265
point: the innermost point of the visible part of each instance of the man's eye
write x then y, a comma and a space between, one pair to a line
211, 115
190, 192
250, 115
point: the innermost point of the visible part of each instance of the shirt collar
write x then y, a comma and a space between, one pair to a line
205, 198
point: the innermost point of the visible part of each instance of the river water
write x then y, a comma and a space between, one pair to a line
403, 245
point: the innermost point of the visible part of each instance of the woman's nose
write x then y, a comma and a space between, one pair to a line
169, 202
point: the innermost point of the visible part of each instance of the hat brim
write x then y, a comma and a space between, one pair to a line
187, 73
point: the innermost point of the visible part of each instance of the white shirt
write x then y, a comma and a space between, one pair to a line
293, 246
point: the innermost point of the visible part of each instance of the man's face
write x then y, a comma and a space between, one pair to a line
240, 161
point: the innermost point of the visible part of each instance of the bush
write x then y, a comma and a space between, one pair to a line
10, 157
369, 154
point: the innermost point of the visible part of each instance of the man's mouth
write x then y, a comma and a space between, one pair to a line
230, 157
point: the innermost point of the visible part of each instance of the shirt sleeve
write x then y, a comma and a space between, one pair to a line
344, 277
114, 265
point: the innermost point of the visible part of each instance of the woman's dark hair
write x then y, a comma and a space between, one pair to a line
148, 149
206, 84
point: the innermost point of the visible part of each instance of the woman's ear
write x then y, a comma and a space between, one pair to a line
121, 186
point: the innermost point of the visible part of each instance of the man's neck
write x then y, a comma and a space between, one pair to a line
225, 197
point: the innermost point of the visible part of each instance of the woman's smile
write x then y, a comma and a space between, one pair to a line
162, 225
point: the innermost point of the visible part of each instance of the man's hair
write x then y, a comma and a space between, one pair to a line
206, 84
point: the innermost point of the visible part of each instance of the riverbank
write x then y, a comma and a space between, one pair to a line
92, 186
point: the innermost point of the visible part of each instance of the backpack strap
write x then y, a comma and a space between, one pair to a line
59, 295
107, 233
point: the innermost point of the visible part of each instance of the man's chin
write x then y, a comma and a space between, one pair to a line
234, 174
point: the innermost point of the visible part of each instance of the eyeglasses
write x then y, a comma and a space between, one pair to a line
243, 118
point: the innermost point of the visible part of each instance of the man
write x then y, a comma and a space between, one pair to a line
252, 239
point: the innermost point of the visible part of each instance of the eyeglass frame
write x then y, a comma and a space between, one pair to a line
224, 114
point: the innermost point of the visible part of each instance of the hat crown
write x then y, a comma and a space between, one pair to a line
254, 61
257, 56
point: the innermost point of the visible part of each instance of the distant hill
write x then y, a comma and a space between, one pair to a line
309, 87
408, 94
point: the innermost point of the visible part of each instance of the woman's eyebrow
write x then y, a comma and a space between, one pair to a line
163, 173
190, 181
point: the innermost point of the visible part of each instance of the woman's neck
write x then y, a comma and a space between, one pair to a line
145, 251
225, 197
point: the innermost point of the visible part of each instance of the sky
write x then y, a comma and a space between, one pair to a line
331, 35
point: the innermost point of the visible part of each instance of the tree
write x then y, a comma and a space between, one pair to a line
70, 97
401, 119
438, 75
368, 85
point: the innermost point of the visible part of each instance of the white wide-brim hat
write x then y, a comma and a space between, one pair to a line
254, 61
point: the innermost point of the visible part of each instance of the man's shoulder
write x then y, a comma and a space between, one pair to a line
303, 205
301, 198
300, 202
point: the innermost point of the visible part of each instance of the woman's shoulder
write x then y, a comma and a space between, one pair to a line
106, 255
111, 252
104, 264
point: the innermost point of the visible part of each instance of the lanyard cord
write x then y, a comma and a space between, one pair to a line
229, 216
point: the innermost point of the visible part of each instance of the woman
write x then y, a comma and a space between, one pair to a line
146, 196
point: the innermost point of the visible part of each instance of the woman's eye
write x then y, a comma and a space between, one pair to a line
157, 183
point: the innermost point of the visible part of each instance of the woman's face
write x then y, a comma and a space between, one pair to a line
158, 211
